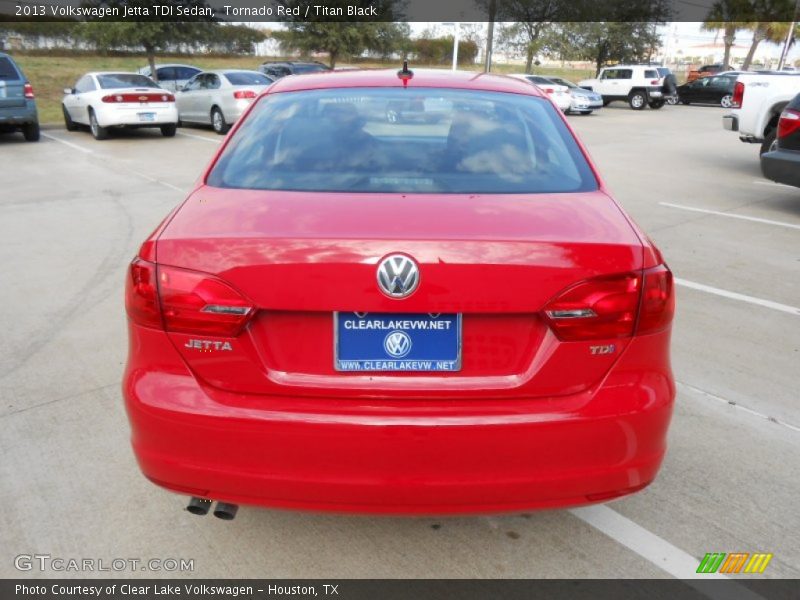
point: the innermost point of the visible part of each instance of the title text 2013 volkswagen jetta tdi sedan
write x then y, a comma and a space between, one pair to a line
397, 293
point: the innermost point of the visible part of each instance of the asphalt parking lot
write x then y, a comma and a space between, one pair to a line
74, 211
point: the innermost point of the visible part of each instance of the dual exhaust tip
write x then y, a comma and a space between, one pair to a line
223, 510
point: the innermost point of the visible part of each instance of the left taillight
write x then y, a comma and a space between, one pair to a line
184, 301
244, 94
616, 306
27, 90
141, 294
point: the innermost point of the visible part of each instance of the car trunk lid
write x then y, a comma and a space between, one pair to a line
494, 259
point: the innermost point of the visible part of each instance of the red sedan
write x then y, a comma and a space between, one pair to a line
440, 313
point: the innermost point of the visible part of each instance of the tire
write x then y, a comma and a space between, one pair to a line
686, 102
31, 131
637, 100
586, 113
68, 122
606, 102
726, 101
169, 130
656, 104
770, 142
672, 100
218, 122
99, 133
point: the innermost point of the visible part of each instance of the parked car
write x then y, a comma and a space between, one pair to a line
276, 70
638, 85
708, 90
105, 100
558, 93
17, 101
218, 98
782, 162
352, 314
707, 70
172, 77
758, 101
582, 101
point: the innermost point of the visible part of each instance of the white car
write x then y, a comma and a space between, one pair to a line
172, 77
559, 94
106, 100
638, 85
220, 97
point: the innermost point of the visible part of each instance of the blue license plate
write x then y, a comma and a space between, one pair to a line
396, 342
148, 116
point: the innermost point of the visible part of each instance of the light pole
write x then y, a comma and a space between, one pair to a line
455, 43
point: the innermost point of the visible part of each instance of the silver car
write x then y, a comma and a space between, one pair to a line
172, 77
218, 98
583, 101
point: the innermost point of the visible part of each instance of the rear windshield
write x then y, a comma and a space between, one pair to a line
7, 70
247, 78
405, 141
125, 80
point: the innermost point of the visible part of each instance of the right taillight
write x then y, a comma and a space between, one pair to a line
738, 95
615, 306
184, 301
658, 300
789, 122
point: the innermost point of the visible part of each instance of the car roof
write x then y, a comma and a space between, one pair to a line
159, 66
113, 73
223, 71
423, 78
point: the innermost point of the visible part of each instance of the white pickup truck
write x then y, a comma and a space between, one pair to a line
758, 99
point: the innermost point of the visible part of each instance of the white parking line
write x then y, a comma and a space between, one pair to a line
731, 215
660, 552
736, 405
774, 183
66, 143
154, 180
646, 544
792, 310
200, 137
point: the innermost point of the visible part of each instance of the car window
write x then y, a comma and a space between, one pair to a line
185, 72
193, 84
166, 73
212, 81
416, 141
247, 78
651, 74
7, 69
85, 84
299, 69
124, 80
609, 74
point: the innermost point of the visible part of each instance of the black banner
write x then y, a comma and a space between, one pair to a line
396, 589
397, 10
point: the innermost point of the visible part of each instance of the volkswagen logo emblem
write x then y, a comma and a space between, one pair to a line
397, 344
398, 276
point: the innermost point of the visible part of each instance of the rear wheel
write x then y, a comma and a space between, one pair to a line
99, 133
68, 122
686, 102
656, 104
169, 130
31, 131
218, 121
726, 101
672, 100
637, 100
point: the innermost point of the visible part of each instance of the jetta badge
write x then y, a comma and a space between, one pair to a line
398, 276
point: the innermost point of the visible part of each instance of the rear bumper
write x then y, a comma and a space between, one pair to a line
399, 456
118, 116
730, 123
19, 115
782, 166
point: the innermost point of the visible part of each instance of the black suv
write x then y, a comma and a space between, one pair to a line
17, 104
276, 70
782, 162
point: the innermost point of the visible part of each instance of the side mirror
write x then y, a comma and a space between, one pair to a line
69, 90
